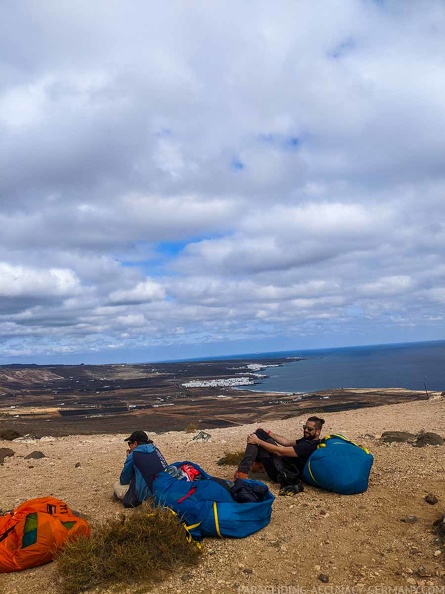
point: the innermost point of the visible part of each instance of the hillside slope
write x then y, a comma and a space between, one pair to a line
357, 540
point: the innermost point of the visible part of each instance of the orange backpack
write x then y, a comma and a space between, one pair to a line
32, 533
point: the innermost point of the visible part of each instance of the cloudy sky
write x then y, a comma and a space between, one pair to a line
182, 179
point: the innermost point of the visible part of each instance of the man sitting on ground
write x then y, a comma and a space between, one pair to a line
280, 457
144, 461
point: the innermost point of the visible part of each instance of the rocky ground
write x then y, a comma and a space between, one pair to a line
381, 538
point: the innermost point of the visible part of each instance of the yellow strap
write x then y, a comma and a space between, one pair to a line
340, 436
191, 526
189, 537
215, 513
310, 472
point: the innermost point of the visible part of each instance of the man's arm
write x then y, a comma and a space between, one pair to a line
277, 450
284, 441
127, 470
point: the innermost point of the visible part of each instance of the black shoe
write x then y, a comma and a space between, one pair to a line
291, 490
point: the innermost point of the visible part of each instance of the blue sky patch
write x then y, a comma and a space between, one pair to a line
237, 165
281, 141
342, 49
294, 142
164, 132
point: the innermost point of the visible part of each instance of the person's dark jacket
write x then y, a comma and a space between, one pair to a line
139, 471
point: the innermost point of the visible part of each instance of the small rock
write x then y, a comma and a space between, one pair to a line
440, 525
248, 571
323, 578
409, 519
28, 438
77, 465
422, 572
35, 455
202, 436
431, 499
437, 553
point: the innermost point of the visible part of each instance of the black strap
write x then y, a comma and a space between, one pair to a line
5, 534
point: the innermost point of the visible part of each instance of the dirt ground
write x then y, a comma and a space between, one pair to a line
358, 542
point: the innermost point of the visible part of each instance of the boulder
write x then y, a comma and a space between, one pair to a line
428, 438
398, 436
5, 453
35, 455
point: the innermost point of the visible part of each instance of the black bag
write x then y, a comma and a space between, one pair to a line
248, 491
288, 475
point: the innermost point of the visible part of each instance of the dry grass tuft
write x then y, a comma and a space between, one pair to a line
191, 428
139, 547
9, 434
231, 458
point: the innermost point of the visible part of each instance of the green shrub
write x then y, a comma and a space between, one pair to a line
9, 434
141, 546
231, 458
191, 427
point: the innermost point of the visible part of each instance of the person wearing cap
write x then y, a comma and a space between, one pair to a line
144, 461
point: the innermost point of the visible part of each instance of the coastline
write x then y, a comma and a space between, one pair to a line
82, 399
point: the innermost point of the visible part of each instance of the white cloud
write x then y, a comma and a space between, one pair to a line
175, 174
142, 292
18, 281
393, 285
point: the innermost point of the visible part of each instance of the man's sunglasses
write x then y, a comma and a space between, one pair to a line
310, 429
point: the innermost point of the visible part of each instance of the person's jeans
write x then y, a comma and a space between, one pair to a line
272, 464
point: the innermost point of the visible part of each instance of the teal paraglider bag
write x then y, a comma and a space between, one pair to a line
207, 507
339, 465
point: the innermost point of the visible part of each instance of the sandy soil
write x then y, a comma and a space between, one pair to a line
358, 541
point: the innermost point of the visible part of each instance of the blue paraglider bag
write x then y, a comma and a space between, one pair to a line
207, 507
339, 465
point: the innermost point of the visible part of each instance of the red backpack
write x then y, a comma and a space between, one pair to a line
32, 533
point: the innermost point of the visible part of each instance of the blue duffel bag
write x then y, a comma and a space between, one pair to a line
207, 507
339, 465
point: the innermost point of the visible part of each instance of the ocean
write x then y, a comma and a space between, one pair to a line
413, 366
